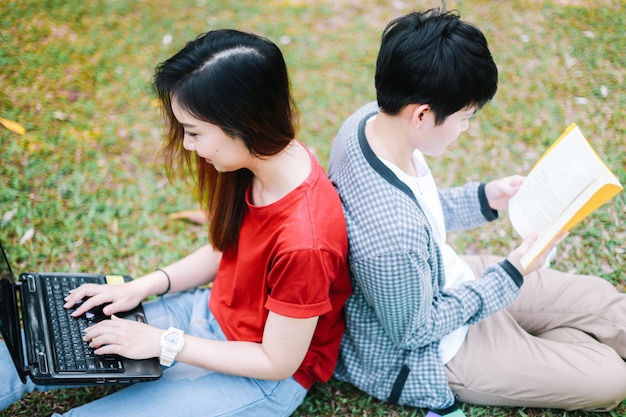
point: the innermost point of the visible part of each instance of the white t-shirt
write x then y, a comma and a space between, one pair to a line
457, 270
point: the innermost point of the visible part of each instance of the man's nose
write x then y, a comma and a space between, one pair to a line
465, 126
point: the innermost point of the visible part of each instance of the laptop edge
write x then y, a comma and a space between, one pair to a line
31, 353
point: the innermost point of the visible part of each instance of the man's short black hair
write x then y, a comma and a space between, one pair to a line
434, 58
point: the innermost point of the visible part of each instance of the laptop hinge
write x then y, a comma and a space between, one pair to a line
40, 364
32, 286
42, 361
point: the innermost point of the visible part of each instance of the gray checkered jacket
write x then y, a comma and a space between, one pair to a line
399, 309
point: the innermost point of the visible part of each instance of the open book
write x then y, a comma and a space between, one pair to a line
566, 184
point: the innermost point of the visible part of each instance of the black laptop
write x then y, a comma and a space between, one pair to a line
51, 350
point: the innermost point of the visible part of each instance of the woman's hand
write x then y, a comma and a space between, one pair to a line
118, 298
499, 192
127, 338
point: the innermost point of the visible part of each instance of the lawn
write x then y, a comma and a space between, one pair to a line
83, 190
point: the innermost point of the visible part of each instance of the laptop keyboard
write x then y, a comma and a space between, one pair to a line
72, 354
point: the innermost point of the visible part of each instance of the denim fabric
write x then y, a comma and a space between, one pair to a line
183, 390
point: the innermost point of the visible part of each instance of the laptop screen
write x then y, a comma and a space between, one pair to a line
9, 320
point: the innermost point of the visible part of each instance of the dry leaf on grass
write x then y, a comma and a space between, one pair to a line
27, 236
13, 126
9, 215
195, 216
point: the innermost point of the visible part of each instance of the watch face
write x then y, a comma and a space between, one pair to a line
172, 339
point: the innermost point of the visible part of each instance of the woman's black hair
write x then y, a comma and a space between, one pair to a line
237, 81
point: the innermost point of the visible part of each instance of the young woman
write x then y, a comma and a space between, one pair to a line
270, 324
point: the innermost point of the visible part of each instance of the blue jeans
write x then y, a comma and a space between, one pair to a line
183, 390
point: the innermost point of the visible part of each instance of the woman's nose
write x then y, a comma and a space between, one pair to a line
189, 144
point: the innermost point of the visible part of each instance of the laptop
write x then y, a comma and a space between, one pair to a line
51, 350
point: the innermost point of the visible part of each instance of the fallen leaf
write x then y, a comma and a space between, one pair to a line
70, 95
581, 100
604, 91
589, 34
59, 115
195, 216
13, 126
9, 215
27, 236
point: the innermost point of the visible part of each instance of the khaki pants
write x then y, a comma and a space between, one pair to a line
559, 345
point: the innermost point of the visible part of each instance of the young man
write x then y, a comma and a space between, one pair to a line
427, 327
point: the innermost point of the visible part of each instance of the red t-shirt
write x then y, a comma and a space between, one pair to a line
291, 259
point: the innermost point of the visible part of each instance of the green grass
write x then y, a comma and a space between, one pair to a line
86, 180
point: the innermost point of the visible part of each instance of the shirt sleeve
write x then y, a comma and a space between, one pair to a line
414, 311
299, 283
466, 207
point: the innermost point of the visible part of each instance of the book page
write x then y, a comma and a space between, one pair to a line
596, 193
546, 193
567, 183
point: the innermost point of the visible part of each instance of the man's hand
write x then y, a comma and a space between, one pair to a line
499, 192
516, 255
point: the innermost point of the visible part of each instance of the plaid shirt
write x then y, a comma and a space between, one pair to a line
399, 309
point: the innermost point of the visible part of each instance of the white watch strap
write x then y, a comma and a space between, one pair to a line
167, 358
168, 353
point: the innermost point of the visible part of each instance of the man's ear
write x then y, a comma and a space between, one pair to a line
418, 113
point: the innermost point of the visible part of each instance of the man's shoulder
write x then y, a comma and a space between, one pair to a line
351, 125
347, 136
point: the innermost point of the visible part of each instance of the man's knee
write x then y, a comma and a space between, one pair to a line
609, 388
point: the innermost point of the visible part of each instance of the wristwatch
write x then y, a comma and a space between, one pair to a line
172, 342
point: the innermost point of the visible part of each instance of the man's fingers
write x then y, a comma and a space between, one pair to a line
527, 243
